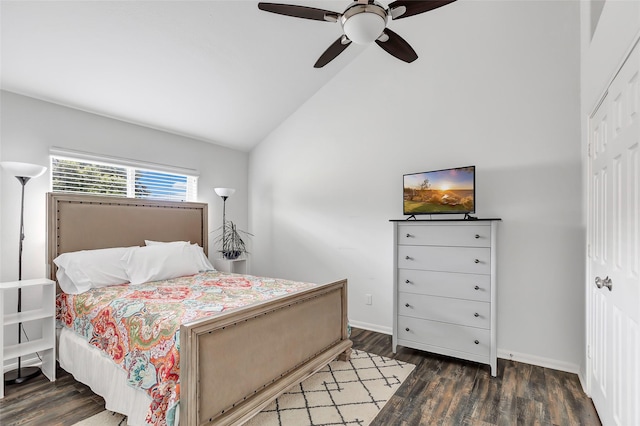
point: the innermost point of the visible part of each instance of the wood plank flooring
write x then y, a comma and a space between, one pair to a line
448, 391
440, 391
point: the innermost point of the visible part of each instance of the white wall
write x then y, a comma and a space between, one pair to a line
29, 127
497, 86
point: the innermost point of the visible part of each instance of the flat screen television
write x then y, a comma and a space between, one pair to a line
447, 191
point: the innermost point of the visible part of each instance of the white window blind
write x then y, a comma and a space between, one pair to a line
77, 175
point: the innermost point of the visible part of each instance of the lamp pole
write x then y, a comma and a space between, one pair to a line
23, 172
23, 180
21, 375
224, 223
224, 193
19, 378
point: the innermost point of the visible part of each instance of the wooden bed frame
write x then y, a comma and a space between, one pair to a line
233, 364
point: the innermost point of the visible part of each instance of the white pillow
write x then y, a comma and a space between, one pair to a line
152, 243
160, 262
83, 270
203, 261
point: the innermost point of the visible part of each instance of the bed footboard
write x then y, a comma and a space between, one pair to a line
233, 365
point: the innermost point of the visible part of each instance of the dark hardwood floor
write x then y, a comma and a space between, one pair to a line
448, 391
440, 391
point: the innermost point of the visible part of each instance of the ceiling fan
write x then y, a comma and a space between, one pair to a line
363, 22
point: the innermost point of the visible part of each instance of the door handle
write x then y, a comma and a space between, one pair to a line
606, 282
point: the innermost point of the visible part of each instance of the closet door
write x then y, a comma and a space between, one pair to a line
613, 293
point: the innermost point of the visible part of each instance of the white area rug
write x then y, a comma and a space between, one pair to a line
342, 393
105, 418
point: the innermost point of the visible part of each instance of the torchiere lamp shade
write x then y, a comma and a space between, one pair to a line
18, 169
224, 192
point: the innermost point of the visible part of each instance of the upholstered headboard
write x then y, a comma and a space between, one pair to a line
85, 222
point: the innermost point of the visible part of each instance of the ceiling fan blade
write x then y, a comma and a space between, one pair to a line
397, 46
404, 8
300, 11
334, 50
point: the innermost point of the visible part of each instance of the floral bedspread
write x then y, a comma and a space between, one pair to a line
138, 326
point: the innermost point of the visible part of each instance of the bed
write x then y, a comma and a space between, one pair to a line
232, 363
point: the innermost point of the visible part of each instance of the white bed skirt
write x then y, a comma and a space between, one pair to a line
90, 366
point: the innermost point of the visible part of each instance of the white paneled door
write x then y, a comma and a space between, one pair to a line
613, 295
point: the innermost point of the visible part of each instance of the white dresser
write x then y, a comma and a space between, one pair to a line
445, 288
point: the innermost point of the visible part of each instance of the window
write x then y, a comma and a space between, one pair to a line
82, 175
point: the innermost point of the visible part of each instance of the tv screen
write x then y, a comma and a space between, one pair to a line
440, 191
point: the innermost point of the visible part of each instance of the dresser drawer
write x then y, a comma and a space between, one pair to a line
468, 260
449, 336
445, 235
444, 309
446, 284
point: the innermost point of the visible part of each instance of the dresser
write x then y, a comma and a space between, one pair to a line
445, 288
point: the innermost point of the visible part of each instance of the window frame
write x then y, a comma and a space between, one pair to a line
133, 170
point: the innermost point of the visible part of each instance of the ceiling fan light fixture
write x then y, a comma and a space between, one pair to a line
363, 24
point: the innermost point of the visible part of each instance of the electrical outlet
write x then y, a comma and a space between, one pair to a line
368, 300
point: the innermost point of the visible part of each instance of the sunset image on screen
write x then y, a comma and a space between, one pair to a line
442, 191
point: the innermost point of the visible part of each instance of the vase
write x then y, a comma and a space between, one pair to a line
231, 255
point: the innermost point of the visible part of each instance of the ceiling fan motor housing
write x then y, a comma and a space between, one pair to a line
364, 23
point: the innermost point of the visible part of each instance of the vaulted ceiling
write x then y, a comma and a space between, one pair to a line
219, 71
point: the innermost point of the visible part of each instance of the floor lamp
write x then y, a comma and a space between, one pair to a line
23, 172
224, 193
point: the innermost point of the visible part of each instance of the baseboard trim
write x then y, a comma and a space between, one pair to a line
554, 364
371, 327
583, 382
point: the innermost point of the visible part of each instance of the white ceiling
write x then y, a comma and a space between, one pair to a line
219, 71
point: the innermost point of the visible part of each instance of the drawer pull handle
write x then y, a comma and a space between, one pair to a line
476, 315
477, 261
477, 342
477, 236
407, 305
408, 258
406, 329
409, 235
407, 281
476, 288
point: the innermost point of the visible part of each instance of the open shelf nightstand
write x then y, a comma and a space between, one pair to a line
45, 345
234, 266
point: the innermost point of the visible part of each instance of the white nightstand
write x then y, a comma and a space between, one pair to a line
44, 314
235, 266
